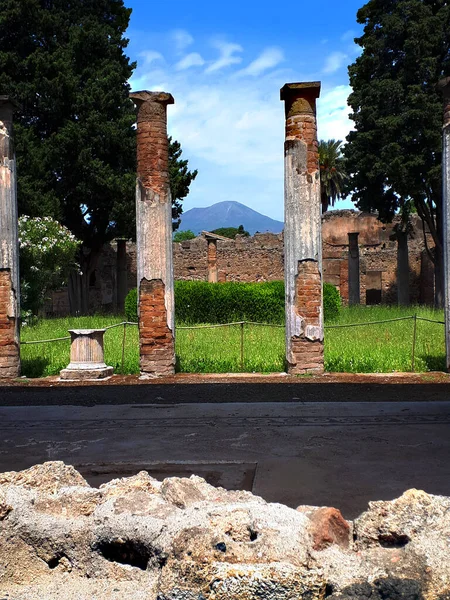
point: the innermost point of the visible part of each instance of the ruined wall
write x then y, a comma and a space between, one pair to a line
260, 258
183, 539
9, 346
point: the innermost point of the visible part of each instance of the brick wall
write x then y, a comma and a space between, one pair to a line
260, 258
9, 348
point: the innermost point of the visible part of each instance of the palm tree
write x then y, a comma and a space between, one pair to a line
332, 172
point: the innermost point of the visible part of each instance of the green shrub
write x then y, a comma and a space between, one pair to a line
331, 302
131, 302
203, 302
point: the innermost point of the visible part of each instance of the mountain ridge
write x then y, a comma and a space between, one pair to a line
228, 214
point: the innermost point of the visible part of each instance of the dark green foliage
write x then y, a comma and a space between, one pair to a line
331, 302
231, 232
180, 180
131, 306
64, 62
182, 236
332, 172
394, 154
203, 302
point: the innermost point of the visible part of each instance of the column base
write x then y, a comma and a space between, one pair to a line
86, 374
305, 356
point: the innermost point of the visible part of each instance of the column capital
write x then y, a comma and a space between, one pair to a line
444, 87
146, 96
300, 98
7, 107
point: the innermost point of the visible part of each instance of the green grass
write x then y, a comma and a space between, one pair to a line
369, 349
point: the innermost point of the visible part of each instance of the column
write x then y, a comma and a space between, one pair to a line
154, 235
445, 87
302, 230
402, 269
212, 261
9, 247
121, 275
353, 269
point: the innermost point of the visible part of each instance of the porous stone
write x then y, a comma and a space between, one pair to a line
183, 539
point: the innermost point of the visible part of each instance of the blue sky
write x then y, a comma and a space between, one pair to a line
224, 65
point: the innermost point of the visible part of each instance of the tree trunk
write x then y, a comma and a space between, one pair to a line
74, 289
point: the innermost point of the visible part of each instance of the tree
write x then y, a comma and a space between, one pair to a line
47, 255
231, 232
394, 154
332, 172
64, 62
182, 236
180, 180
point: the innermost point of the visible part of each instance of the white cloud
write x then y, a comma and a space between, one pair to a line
150, 56
332, 114
182, 39
231, 127
227, 56
190, 60
334, 62
348, 36
269, 58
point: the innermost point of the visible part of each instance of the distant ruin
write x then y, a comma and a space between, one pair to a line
260, 258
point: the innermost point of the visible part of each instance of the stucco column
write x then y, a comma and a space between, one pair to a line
302, 230
154, 235
353, 269
9, 247
445, 87
212, 261
121, 274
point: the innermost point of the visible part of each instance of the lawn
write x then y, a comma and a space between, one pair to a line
382, 347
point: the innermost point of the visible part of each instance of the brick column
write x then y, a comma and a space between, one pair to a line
9, 247
302, 230
212, 261
445, 86
154, 235
354, 292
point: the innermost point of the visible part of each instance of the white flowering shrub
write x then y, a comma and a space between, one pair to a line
47, 255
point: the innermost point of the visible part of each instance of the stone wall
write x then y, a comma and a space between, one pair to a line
183, 539
260, 258
10, 353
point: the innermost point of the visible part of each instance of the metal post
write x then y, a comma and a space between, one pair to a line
123, 345
413, 358
242, 346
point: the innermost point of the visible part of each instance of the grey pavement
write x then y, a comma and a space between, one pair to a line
296, 452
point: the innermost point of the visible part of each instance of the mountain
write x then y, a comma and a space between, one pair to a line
228, 214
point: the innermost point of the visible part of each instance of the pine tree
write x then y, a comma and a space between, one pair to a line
394, 154
64, 61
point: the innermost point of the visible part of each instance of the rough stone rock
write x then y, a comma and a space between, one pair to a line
183, 539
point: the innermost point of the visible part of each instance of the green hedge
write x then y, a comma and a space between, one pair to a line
202, 302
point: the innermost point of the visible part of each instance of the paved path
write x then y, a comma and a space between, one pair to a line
335, 453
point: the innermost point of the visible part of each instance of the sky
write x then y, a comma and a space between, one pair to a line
224, 64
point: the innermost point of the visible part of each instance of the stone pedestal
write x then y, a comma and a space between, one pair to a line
9, 247
302, 230
86, 356
354, 285
154, 236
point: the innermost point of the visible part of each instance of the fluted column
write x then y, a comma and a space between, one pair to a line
302, 230
445, 87
154, 235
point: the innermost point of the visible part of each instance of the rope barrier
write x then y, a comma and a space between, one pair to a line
242, 323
